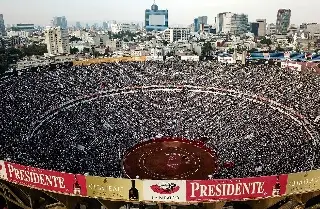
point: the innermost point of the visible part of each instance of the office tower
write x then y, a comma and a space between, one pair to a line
2, 26
196, 25
78, 25
60, 22
105, 25
155, 19
199, 22
224, 22
57, 40
239, 24
254, 28
262, 31
283, 21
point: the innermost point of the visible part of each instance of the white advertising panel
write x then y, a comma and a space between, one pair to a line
190, 58
154, 58
156, 19
164, 190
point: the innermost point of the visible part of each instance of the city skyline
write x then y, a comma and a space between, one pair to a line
180, 12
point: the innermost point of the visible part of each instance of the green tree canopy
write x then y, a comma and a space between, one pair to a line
206, 49
74, 50
266, 41
73, 38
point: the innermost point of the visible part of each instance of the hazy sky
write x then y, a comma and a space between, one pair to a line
40, 12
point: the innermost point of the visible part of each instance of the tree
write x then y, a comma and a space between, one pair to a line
74, 50
206, 49
86, 50
165, 43
266, 41
34, 50
279, 48
73, 38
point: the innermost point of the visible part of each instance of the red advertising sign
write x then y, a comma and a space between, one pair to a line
235, 189
46, 180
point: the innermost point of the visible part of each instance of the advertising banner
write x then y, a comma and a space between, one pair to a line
3, 172
114, 188
235, 189
46, 180
109, 60
190, 58
303, 182
164, 190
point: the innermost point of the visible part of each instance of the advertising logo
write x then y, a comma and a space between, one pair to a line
165, 188
164, 191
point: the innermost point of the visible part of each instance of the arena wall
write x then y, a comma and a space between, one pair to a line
164, 191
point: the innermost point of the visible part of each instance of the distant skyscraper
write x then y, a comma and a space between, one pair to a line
254, 28
196, 24
200, 22
224, 22
156, 19
105, 25
283, 21
78, 25
262, 27
60, 22
2, 26
239, 24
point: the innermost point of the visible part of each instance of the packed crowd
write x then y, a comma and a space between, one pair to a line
91, 134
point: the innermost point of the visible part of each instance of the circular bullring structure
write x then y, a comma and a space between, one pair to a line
170, 158
160, 121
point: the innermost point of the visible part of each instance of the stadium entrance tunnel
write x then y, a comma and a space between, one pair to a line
170, 158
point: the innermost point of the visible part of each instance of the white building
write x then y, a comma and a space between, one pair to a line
129, 27
57, 40
23, 34
224, 22
118, 27
271, 29
313, 28
97, 39
176, 34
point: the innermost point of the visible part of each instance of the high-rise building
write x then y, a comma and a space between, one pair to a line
155, 19
78, 25
283, 21
105, 25
176, 34
239, 24
199, 22
60, 22
224, 22
2, 26
196, 26
262, 27
57, 40
254, 28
